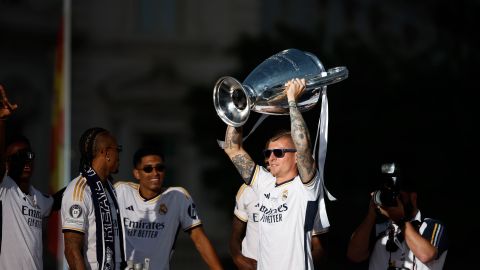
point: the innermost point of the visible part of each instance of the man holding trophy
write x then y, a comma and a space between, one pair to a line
290, 193
287, 194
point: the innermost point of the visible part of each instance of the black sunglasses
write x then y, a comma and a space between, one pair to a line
278, 153
25, 155
149, 168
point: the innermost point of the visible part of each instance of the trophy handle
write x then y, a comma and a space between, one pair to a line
231, 101
333, 75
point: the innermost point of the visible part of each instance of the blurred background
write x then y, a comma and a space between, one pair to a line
145, 70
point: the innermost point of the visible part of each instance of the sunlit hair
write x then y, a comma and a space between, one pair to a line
88, 146
278, 135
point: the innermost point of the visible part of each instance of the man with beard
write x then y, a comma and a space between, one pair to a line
404, 239
92, 231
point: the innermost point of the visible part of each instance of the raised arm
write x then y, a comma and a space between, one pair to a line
358, 247
6, 110
301, 137
234, 149
205, 248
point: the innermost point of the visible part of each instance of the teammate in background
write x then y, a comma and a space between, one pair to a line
244, 236
22, 207
91, 222
288, 193
152, 214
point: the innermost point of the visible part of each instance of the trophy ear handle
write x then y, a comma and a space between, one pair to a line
333, 75
231, 101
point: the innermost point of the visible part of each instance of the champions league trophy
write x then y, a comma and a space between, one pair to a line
263, 89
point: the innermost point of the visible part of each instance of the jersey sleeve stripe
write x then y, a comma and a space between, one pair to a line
319, 231
239, 217
192, 226
432, 240
79, 189
311, 181
72, 229
240, 190
75, 190
254, 176
437, 232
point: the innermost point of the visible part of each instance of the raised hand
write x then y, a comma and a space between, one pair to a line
6, 108
294, 88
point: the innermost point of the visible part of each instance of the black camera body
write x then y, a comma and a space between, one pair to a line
387, 195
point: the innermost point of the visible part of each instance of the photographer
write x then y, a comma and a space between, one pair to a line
403, 239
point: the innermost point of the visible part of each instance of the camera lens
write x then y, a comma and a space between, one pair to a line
377, 197
385, 197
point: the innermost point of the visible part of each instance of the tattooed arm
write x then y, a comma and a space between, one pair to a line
240, 158
301, 137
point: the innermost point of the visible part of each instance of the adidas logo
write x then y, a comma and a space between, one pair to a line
130, 208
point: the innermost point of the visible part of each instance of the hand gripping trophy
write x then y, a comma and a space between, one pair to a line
262, 90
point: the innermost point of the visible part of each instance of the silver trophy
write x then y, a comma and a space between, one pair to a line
263, 89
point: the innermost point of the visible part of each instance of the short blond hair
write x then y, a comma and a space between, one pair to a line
278, 135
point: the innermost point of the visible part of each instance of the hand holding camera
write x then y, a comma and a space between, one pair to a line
386, 199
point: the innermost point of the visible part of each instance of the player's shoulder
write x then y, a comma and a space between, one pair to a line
76, 189
177, 191
432, 221
7, 182
243, 190
125, 185
430, 225
41, 194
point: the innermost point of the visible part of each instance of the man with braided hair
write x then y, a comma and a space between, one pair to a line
93, 234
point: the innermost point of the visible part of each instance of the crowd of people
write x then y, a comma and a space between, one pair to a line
110, 224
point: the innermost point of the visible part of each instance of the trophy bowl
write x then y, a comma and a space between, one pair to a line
263, 89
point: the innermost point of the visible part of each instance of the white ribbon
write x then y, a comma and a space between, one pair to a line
322, 139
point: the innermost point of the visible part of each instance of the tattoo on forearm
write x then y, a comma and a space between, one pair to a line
301, 139
233, 137
244, 165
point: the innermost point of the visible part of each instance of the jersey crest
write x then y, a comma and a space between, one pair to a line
163, 209
75, 211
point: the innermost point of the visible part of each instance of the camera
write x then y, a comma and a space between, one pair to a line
387, 195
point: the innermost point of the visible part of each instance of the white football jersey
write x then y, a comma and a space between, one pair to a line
78, 214
246, 209
21, 221
287, 214
151, 226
